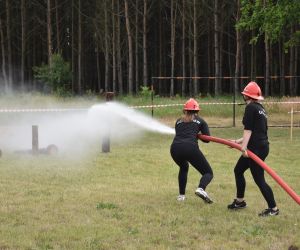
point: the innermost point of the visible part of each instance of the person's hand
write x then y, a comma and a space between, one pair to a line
234, 141
244, 153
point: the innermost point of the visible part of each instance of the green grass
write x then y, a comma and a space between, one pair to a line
126, 199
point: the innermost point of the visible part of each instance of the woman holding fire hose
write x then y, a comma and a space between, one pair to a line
185, 150
255, 138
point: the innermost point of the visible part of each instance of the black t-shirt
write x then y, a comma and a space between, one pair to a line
186, 132
255, 119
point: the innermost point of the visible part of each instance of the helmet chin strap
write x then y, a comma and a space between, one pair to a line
247, 99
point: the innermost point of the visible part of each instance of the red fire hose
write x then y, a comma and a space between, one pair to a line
254, 157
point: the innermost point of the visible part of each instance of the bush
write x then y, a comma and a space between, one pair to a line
145, 92
57, 76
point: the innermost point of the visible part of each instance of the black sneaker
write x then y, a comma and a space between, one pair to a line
269, 212
237, 205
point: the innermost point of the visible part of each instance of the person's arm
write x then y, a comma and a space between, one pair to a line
204, 130
244, 141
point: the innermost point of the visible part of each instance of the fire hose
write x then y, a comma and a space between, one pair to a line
260, 162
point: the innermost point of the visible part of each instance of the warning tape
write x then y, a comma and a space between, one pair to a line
219, 77
181, 104
134, 107
156, 106
39, 110
208, 103
281, 102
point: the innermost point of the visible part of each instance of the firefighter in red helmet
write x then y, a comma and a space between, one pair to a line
255, 138
185, 150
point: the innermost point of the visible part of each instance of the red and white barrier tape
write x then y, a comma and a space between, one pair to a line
207, 103
39, 110
135, 107
156, 106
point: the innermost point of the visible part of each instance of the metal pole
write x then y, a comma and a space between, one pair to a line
106, 138
35, 139
152, 97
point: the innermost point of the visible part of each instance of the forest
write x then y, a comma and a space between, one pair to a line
201, 47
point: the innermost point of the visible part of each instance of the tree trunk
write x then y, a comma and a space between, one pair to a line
281, 68
9, 46
57, 27
195, 54
130, 50
267, 73
252, 62
114, 67
145, 62
237, 52
273, 71
221, 46
183, 49
221, 58
3, 57
72, 48
190, 51
243, 68
217, 48
161, 49
98, 67
119, 56
209, 60
137, 66
295, 89
232, 81
23, 57
106, 47
291, 66
34, 59
49, 32
79, 49
173, 18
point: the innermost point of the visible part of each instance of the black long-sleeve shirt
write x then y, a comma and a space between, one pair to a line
186, 132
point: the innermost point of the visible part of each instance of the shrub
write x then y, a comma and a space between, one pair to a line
145, 92
57, 75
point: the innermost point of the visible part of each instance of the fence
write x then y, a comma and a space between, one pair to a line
219, 105
233, 88
292, 112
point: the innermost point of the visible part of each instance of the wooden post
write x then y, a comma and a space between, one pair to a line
292, 123
35, 139
106, 138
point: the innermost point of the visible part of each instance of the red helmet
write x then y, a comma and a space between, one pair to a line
191, 104
253, 91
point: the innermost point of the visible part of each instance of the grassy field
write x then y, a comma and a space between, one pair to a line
126, 199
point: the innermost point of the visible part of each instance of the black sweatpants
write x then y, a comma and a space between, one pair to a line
258, 175
186, 153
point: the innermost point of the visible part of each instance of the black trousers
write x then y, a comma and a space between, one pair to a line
186, 153
257, 173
